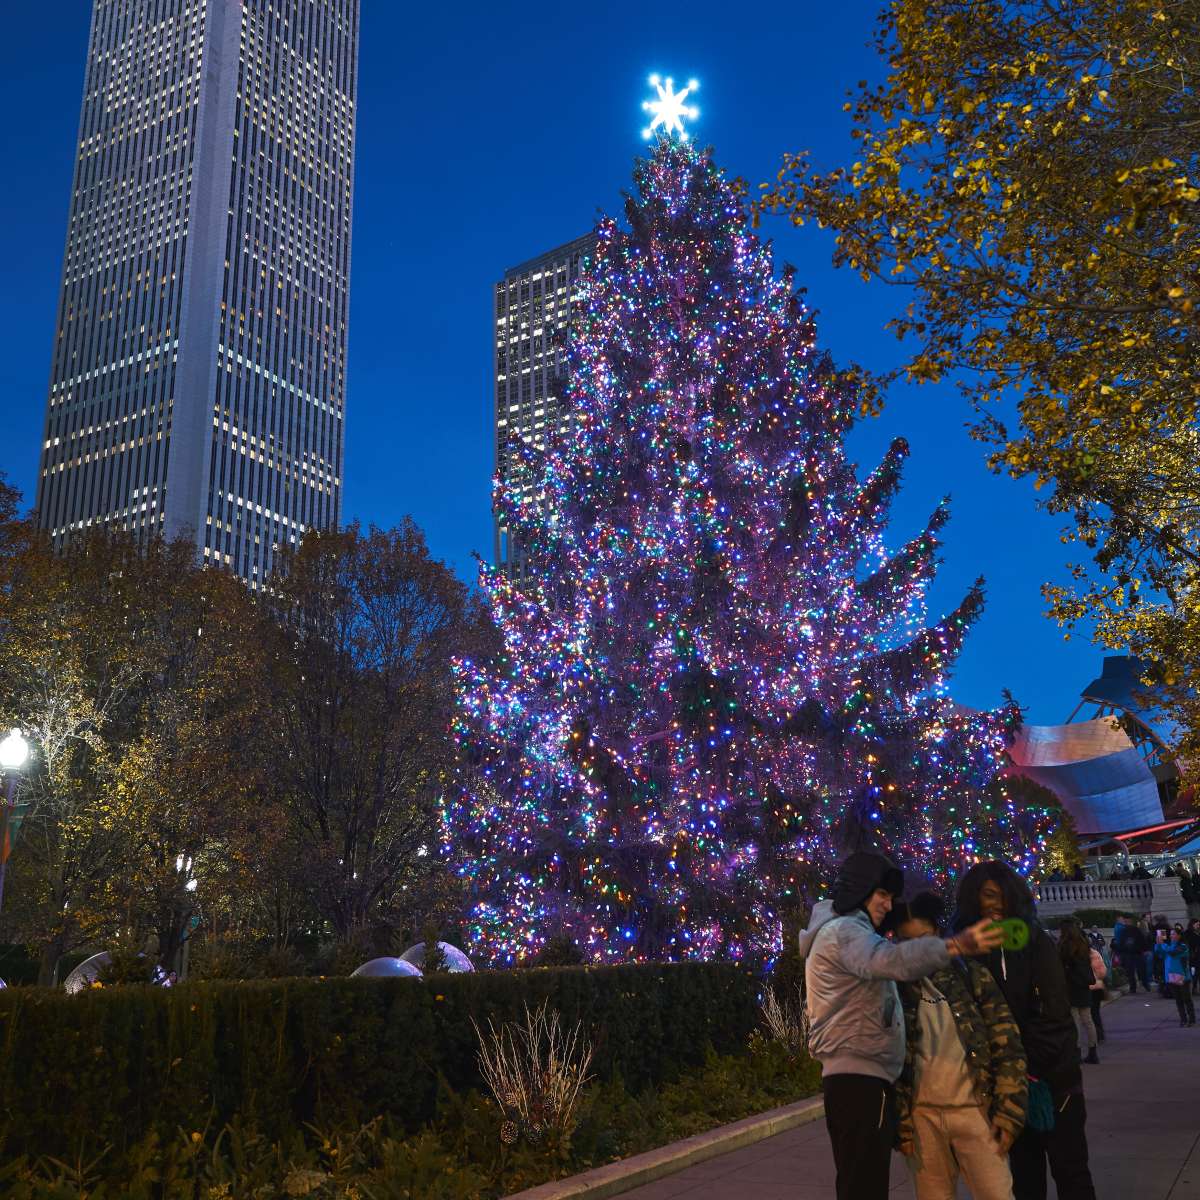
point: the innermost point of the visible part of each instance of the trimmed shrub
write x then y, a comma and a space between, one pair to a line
787, 974
112, 1066
17, 965
1101, 918
560, 951
461, 1155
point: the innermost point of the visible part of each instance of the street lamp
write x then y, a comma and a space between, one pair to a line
14, 751
14, 754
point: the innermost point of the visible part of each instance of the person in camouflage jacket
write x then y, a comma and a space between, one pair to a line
961, 1103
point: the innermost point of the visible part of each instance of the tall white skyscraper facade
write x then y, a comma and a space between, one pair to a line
198, 379
532, 308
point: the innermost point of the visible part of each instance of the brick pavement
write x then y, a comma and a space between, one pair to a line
1143, 1127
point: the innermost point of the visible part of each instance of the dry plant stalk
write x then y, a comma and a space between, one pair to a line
536, 1069
785, 1021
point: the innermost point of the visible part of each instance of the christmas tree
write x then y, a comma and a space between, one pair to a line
715, 678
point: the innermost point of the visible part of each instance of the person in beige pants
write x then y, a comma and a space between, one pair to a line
961, 1097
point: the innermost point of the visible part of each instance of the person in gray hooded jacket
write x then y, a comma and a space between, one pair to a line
856, 1023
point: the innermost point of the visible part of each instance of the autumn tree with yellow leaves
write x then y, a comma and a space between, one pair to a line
191, 781
254, 765
71, 659
132, 672
1030, 171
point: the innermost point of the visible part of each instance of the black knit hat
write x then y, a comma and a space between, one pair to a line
860, 875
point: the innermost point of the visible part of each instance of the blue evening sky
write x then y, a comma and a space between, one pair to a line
488, 133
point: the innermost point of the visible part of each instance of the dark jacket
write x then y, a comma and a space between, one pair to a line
1129, 941
991, 1043
1191, 939
1079, 981
1034, 985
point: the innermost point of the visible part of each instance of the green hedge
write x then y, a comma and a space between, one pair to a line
1101, 918
17, 966
106, 1068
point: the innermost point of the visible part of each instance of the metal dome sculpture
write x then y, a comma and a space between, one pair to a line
87, 974
457, 962
386, 968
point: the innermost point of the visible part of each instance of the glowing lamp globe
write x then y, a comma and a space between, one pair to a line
386, 968
457, 963
14, 751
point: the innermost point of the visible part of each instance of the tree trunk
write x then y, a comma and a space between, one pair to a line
172, 934
52, 953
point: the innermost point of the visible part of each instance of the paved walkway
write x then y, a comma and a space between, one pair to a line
1143, 1127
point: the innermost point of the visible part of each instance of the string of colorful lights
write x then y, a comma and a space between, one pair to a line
715, 678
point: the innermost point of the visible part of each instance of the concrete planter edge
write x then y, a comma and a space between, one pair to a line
615, 1178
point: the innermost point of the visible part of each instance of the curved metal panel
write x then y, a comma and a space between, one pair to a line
1094, 769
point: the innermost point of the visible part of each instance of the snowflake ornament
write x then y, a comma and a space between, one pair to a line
669, 109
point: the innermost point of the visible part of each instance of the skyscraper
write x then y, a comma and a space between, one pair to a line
199, 370
532, 306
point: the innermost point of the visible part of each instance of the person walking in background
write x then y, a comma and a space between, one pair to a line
1187, 887
1193, 903
1176, 967
1192, 940
1126, 950
960, 1100
856, 1022
1033, 983
1157, 964
1133, 945
1076, 957
1146, 962
1098, 990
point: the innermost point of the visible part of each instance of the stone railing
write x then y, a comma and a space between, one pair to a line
1129, 895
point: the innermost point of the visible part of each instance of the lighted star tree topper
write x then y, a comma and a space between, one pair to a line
670, 110
716, 678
